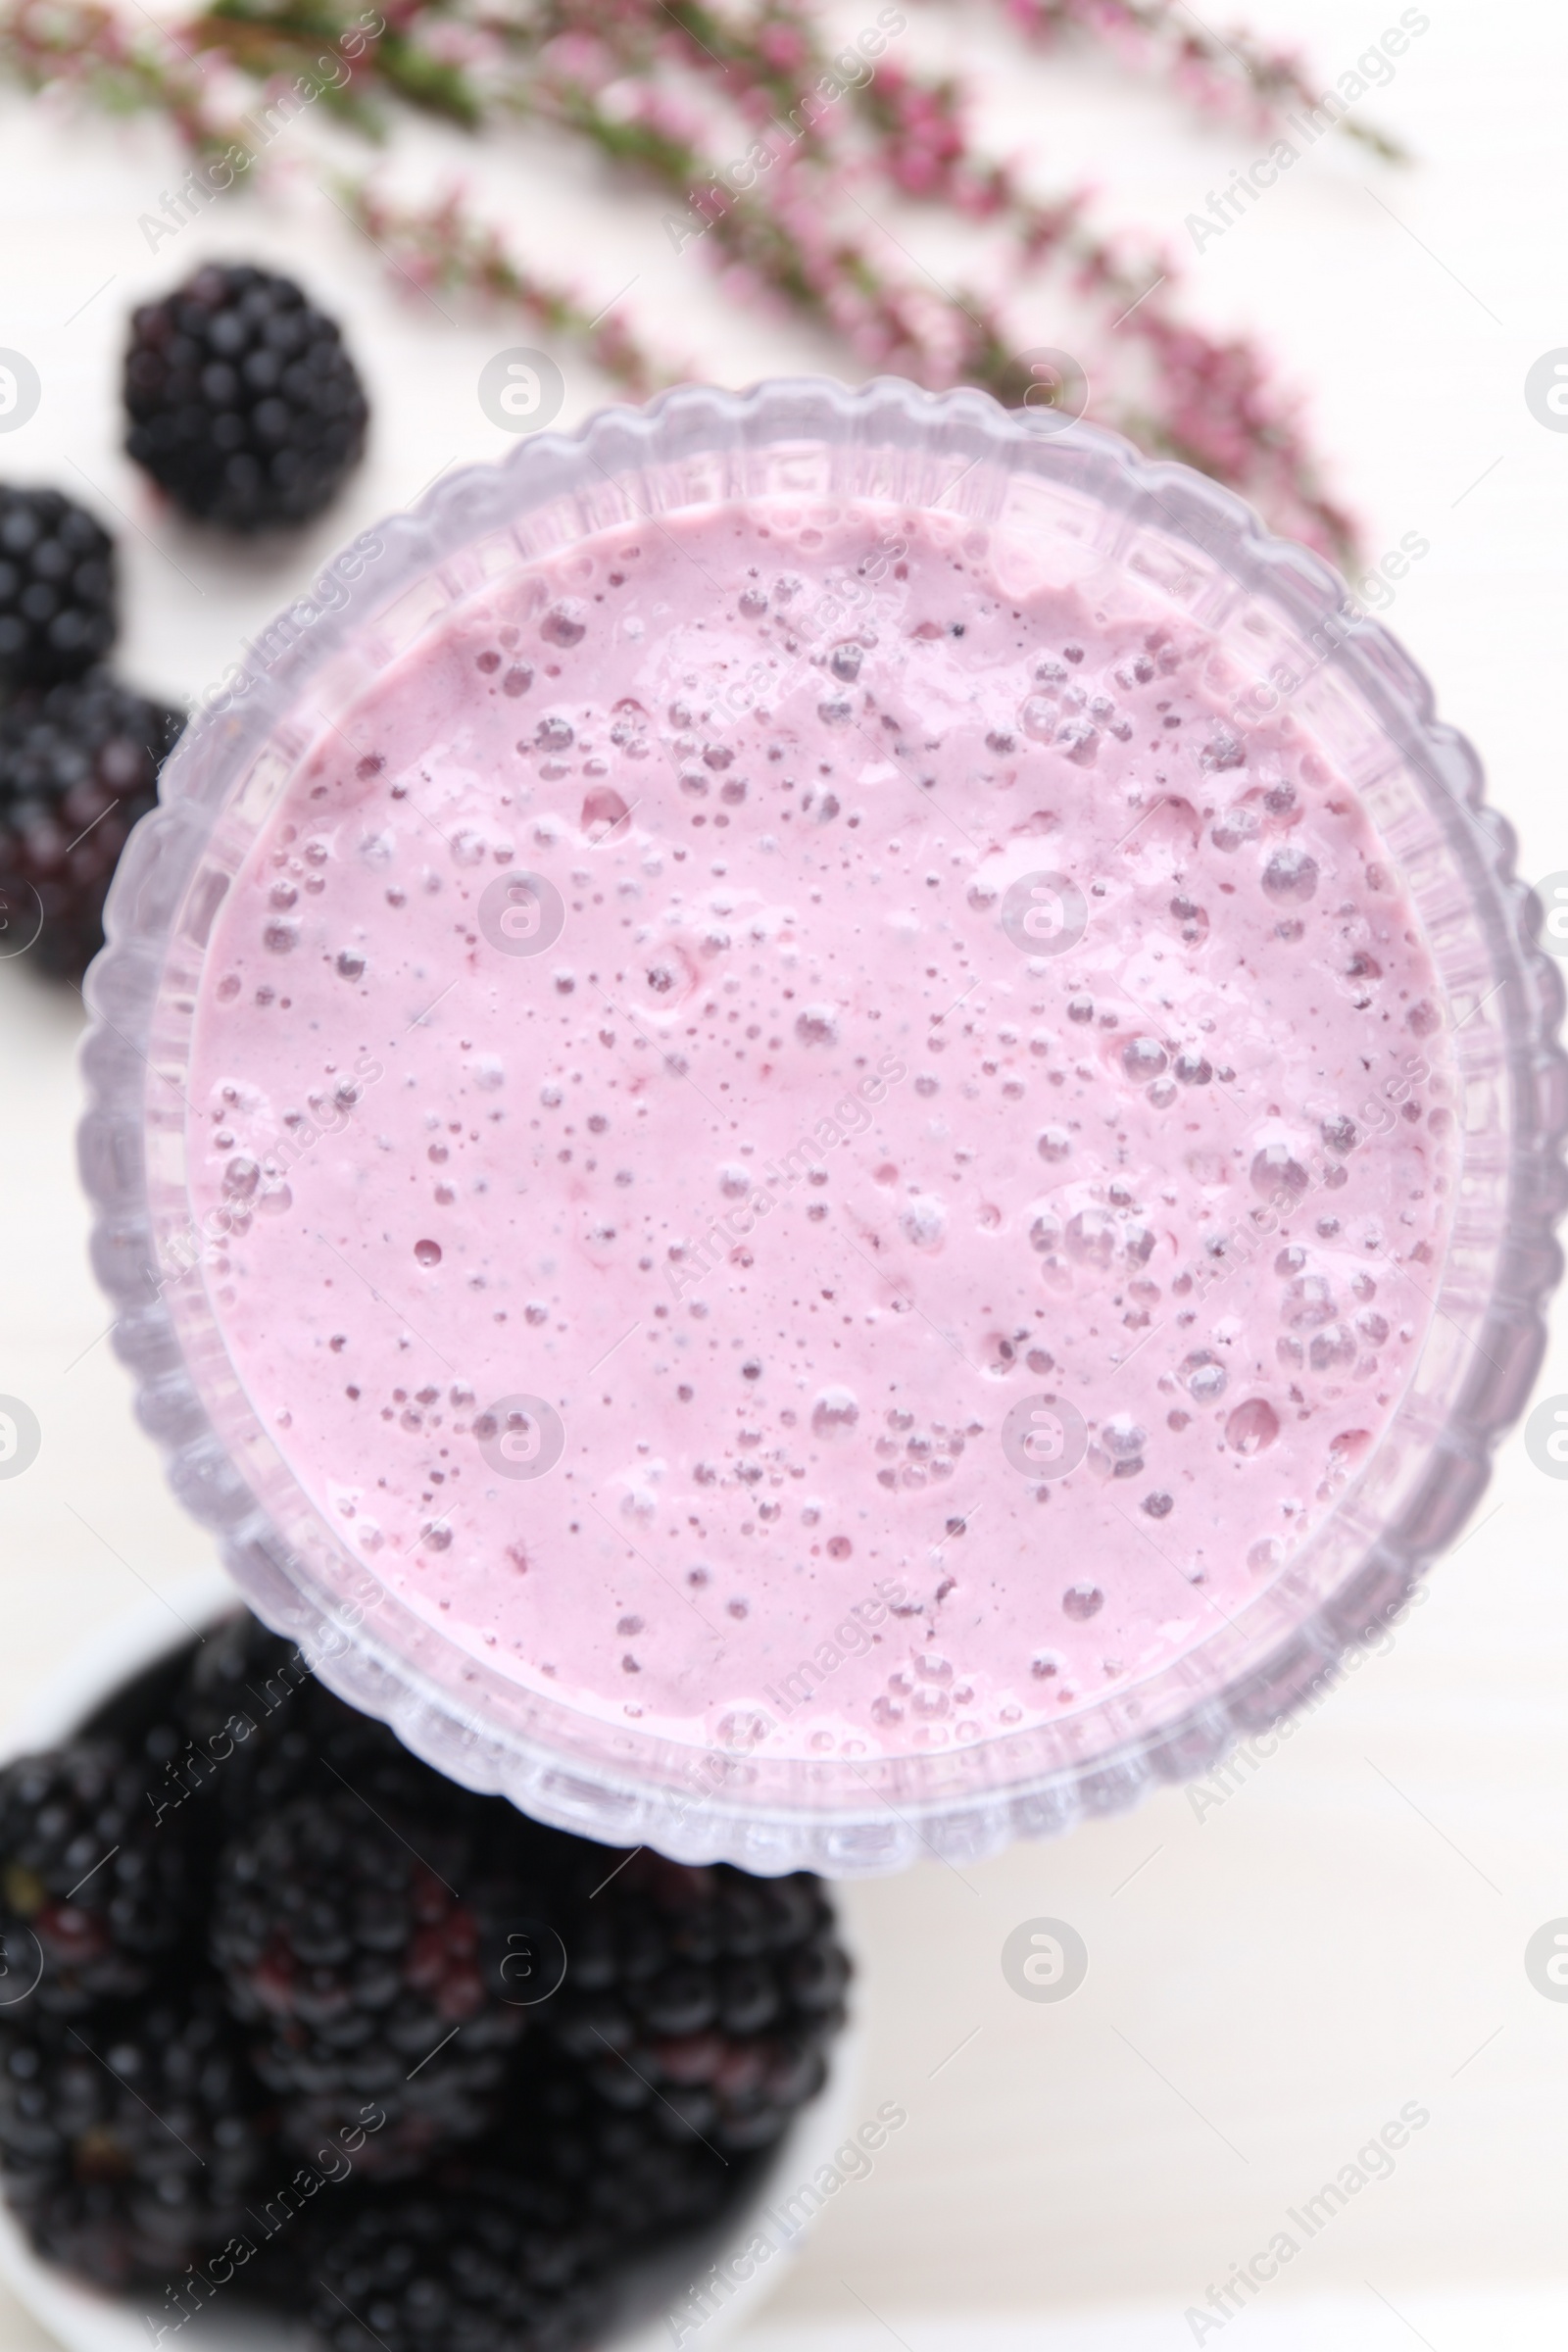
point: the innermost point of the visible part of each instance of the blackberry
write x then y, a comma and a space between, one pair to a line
130, 2144
620, 2172
455, 2270
78, 766
57, 589
244, 404
702, 1998
95, 1896
262, 1731
376, 1984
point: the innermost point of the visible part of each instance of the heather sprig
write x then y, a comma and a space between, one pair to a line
660, 88
1233, 75
442, 246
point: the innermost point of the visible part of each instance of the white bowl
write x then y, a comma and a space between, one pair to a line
85, 2319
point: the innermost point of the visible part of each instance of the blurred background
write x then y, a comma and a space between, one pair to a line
1280, 1963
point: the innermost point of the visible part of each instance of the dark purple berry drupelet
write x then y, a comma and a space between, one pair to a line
364, 1951
57, 589
457, 2270
702, 1998
95, 1902
78, 766
244, 404
631, 2174
130, 2141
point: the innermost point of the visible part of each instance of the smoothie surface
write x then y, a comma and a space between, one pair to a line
806, 1142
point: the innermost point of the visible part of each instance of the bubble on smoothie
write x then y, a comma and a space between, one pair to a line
1339, 1133
1192, 1069
1332, 1348
428, 1253
1123, 1439
836, 1409
1223, 750
1091, 1237
565, 623
1308, 1302
1053, 1144
240, 1178
734, 1181
923, 1222
817, 1025
1080, 1602
1291, 876
349, 964
1275, 1171
1144, 1057
1079, 740
602, 810
1252, 1427
1235, 826
1193, 919
1204, 1376
280, 938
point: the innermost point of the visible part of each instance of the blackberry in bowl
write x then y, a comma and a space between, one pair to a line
278, 2031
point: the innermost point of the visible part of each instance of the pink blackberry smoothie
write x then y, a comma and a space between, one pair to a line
817, 1148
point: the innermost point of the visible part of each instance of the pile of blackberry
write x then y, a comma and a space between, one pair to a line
287, 2016
80, 753
245, 408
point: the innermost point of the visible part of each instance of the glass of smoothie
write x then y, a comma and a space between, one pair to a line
825, 1125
